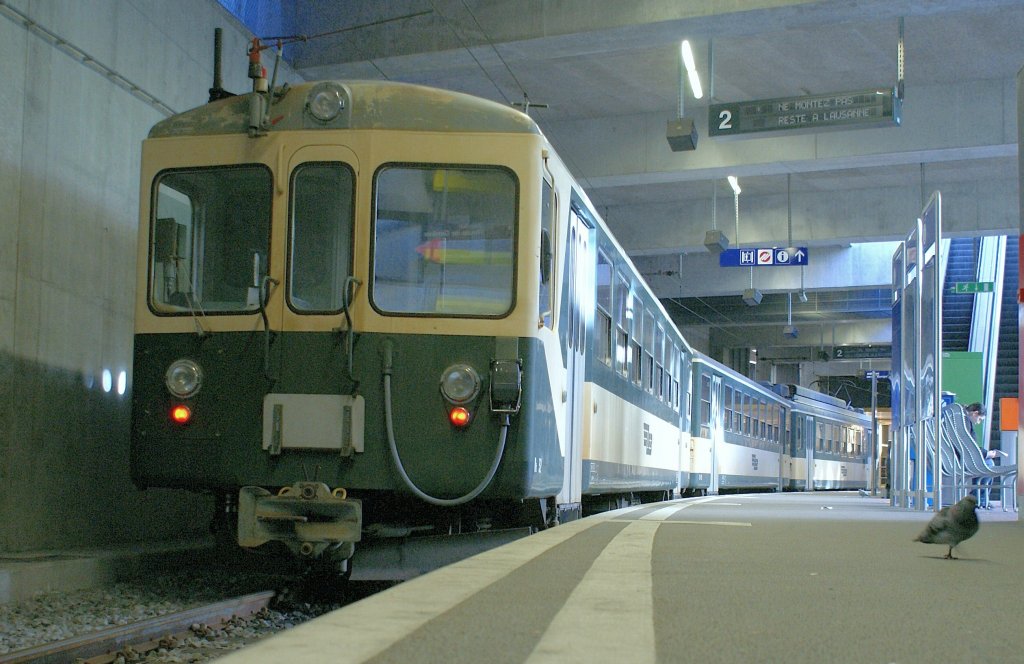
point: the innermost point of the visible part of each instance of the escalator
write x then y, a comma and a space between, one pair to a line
1009, 342
959, 314
961, 266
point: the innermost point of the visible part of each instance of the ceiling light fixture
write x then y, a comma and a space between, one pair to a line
682, 132
735, 184
715, 240
691, 70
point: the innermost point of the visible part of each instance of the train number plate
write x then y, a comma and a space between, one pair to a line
313, 421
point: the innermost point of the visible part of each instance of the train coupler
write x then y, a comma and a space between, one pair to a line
307, 517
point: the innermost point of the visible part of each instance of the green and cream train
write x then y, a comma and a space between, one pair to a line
371, 310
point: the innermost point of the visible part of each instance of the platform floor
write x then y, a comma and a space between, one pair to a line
820, 577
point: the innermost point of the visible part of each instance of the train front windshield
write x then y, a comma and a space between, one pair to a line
444, 241
211, 239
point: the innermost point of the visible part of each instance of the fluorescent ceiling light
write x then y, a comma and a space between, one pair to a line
691, 70
734, 183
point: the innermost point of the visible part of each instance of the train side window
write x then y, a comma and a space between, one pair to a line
672, 384
210, 239
659, 363
675, 380
780, 425
444, 240
746, 414
821, 437
727, 398
648, 344
320, 243
622, 314
635, 352
763, 410
705, 405
798, 432
603, 321
547, 255
755, 424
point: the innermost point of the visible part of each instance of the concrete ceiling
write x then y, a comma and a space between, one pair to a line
608, 74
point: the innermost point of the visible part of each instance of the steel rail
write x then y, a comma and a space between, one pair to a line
143, 636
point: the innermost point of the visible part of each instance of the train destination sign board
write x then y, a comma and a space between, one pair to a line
763, 257
861, 352
877, 107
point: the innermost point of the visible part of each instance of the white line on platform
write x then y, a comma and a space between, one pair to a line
609, 616
711, 523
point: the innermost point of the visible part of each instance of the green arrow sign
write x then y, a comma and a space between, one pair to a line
974, 287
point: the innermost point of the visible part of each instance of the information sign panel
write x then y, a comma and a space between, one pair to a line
763, 257
877, 107
861, 352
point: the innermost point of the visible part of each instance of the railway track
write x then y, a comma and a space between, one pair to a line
103, 646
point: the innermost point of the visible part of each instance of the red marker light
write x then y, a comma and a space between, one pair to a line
181, 414
459, 417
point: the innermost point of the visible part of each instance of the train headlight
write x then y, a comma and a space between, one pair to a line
460, 383
183, 378
325, 101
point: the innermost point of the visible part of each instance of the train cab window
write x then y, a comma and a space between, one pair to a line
622, 314
210, 239
727, 400
547, 258
603, 321
648, 344
320, 243
798, 433
444, 241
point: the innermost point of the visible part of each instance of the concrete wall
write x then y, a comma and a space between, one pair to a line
70, 139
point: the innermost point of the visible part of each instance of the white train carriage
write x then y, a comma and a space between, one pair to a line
737, 431
829, 447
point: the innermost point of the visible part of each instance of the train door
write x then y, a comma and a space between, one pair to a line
782, 442
579, 275
313, 404
717, 432
808, 443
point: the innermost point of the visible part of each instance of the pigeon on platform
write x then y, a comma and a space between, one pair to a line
952, 525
